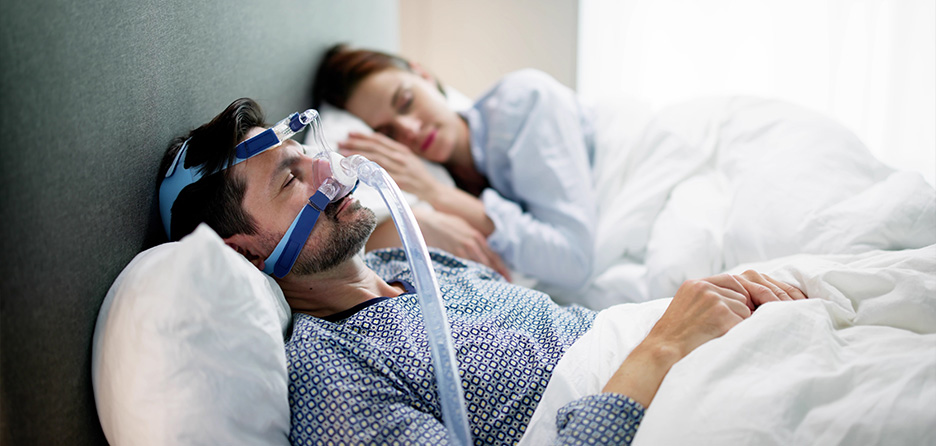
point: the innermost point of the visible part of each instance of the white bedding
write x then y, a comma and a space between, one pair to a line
704, 186
853, 364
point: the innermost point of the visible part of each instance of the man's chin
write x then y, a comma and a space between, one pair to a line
342, 243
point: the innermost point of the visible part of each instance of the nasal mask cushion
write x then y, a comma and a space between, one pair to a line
337, 182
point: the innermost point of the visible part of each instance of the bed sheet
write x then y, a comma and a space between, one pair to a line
701, 187
853, 364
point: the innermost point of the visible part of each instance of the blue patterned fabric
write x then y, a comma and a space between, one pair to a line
368, 379
606, 418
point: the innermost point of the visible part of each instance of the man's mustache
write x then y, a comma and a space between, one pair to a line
331, 209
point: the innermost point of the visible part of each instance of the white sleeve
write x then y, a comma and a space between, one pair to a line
548, 230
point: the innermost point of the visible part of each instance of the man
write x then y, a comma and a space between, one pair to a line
358, 357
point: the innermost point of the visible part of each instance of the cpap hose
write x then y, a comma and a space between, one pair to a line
427, 291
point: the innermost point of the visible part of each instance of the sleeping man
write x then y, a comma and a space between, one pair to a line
358, 357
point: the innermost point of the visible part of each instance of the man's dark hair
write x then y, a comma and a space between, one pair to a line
216, 198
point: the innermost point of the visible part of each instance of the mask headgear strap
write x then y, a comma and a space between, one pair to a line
287, 250
178, 176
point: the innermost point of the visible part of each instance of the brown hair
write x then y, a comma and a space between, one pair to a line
343, 68
216, 198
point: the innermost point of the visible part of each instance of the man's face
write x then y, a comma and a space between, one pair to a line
279, 183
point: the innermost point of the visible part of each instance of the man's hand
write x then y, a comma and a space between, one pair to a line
701, 310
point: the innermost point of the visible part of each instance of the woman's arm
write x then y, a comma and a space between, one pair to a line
539, 214
455, 201
532, 141
411, 175
443, 231
384, 236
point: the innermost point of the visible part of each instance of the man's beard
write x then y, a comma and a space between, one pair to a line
343, 240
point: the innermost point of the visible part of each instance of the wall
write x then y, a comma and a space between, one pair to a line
92, 92
869, 64
471, 44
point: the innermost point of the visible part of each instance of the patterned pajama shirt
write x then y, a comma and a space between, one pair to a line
365, 376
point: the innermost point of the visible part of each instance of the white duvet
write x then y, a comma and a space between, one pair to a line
711, 185
853, 364
699, 188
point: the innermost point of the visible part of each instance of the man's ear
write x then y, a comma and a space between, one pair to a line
422, 71
248, 247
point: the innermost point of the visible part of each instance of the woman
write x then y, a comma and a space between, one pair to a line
520, 158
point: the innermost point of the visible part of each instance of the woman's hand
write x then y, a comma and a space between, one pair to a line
701, 310
411, 175
400, 162
456, 236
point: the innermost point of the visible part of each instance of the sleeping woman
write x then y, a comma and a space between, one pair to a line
520, 157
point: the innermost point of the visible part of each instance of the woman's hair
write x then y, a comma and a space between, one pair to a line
342, 69
216, 198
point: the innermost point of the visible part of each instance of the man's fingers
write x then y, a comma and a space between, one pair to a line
760, 294
738, 307
729, 282
768, 288
792, 291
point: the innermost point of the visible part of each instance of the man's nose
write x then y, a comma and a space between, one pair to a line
317, 169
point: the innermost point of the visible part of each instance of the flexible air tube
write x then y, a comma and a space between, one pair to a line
430, 301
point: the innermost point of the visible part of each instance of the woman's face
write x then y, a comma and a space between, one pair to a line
412, 111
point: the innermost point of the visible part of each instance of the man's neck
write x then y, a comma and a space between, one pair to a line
336, 290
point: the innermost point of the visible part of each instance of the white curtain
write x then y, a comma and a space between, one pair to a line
869, 63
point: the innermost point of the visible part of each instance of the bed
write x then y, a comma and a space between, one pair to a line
736, 183
97, 89
703, 186
697, 188
853, 364
732, 183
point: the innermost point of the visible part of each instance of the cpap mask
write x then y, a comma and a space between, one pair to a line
336, 175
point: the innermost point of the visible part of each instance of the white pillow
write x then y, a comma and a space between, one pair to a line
188, 349
337, 123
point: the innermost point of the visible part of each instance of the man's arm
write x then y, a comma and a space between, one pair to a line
363, 419
701, 310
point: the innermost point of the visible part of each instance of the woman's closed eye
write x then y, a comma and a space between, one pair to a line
406, 102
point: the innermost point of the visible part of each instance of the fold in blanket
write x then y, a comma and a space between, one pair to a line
701, 187
853, 364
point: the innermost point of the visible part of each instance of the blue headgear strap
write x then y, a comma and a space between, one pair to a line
287, 250
178, 176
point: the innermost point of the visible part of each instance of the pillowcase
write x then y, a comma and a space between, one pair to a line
337, 123
188, 349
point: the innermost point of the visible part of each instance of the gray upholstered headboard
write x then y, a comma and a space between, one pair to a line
92, 92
